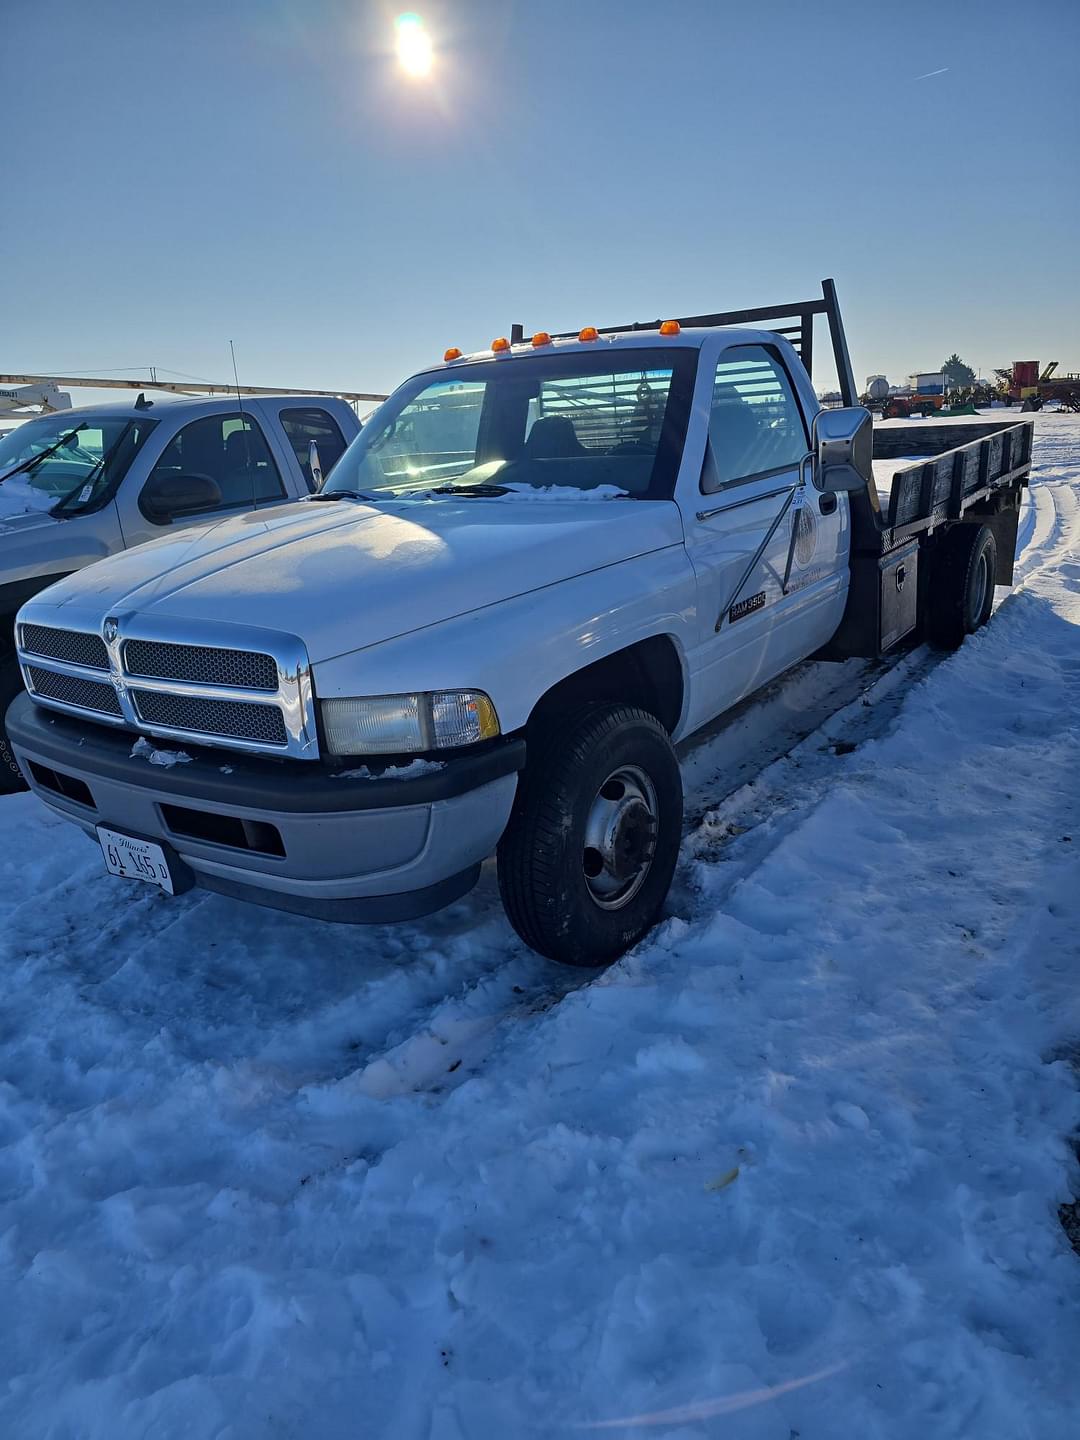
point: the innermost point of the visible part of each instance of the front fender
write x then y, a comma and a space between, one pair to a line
38, 550
518, 649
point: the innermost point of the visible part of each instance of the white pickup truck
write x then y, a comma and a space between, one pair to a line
535, 571
80, 484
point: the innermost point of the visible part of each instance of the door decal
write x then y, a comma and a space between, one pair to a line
805, 527
729, 607
803, 546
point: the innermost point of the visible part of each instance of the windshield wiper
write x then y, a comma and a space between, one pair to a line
43, 454
344, 495
481, 490
86, 489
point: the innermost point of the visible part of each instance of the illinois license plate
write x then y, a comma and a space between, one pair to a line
135, 859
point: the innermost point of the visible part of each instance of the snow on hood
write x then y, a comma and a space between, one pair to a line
27, 520
18, 497
344, 575
547, 493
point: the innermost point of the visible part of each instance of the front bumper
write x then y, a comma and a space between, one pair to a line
290, 835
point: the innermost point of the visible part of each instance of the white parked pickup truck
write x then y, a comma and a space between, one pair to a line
76, 485
535, 571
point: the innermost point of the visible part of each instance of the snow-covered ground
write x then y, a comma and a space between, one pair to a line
790, 1169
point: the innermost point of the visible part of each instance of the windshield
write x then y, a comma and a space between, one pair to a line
550, 423
79, 473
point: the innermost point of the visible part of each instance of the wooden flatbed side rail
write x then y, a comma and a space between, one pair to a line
941, 488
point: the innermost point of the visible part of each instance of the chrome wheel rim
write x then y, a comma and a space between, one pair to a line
620, 837
982, 580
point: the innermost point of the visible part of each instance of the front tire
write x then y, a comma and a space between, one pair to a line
961, 585
587, 858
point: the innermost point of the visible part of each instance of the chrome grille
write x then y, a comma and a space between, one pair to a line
73, 690
171, 677
201, 665
194, 713
74, 646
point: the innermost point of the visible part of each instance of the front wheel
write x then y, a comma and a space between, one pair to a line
590, 849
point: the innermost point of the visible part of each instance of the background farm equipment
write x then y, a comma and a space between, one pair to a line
1025, 384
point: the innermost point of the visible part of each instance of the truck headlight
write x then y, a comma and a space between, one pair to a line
405, 724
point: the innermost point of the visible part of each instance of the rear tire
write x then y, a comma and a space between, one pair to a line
962, 579
10, 685
587, 857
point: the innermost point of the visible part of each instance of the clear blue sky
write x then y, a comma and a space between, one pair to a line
176, 175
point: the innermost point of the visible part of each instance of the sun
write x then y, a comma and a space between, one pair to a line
414, 48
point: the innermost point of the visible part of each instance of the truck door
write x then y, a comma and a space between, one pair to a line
770, 559
231, 448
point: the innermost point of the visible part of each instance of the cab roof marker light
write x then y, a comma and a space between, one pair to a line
500, 346
670, 327
541, 338
452, 354
590, 332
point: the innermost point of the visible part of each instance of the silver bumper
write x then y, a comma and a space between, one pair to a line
292, 837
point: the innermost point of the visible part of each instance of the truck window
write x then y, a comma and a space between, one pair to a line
232, 450
433, 438
615, 414
756, 426
78, 474
304, 426
571, 420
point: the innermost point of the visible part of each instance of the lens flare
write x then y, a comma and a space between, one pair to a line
414, 49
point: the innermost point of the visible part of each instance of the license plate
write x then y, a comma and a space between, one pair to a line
135, 859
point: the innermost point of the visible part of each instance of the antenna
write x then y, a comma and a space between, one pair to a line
245, 432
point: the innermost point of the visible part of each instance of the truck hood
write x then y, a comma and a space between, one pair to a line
345, 575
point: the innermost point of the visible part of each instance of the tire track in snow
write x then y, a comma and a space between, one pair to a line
1054, 530
1052, 499
741, 828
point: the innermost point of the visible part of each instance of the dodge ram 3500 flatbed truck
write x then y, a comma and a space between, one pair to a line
80, 484
535, 570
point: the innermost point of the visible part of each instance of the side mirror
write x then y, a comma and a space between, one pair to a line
315, 466
165, 496
843, 446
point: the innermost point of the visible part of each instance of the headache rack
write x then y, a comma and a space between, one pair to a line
798, 330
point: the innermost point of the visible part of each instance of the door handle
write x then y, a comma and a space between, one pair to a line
827, 503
